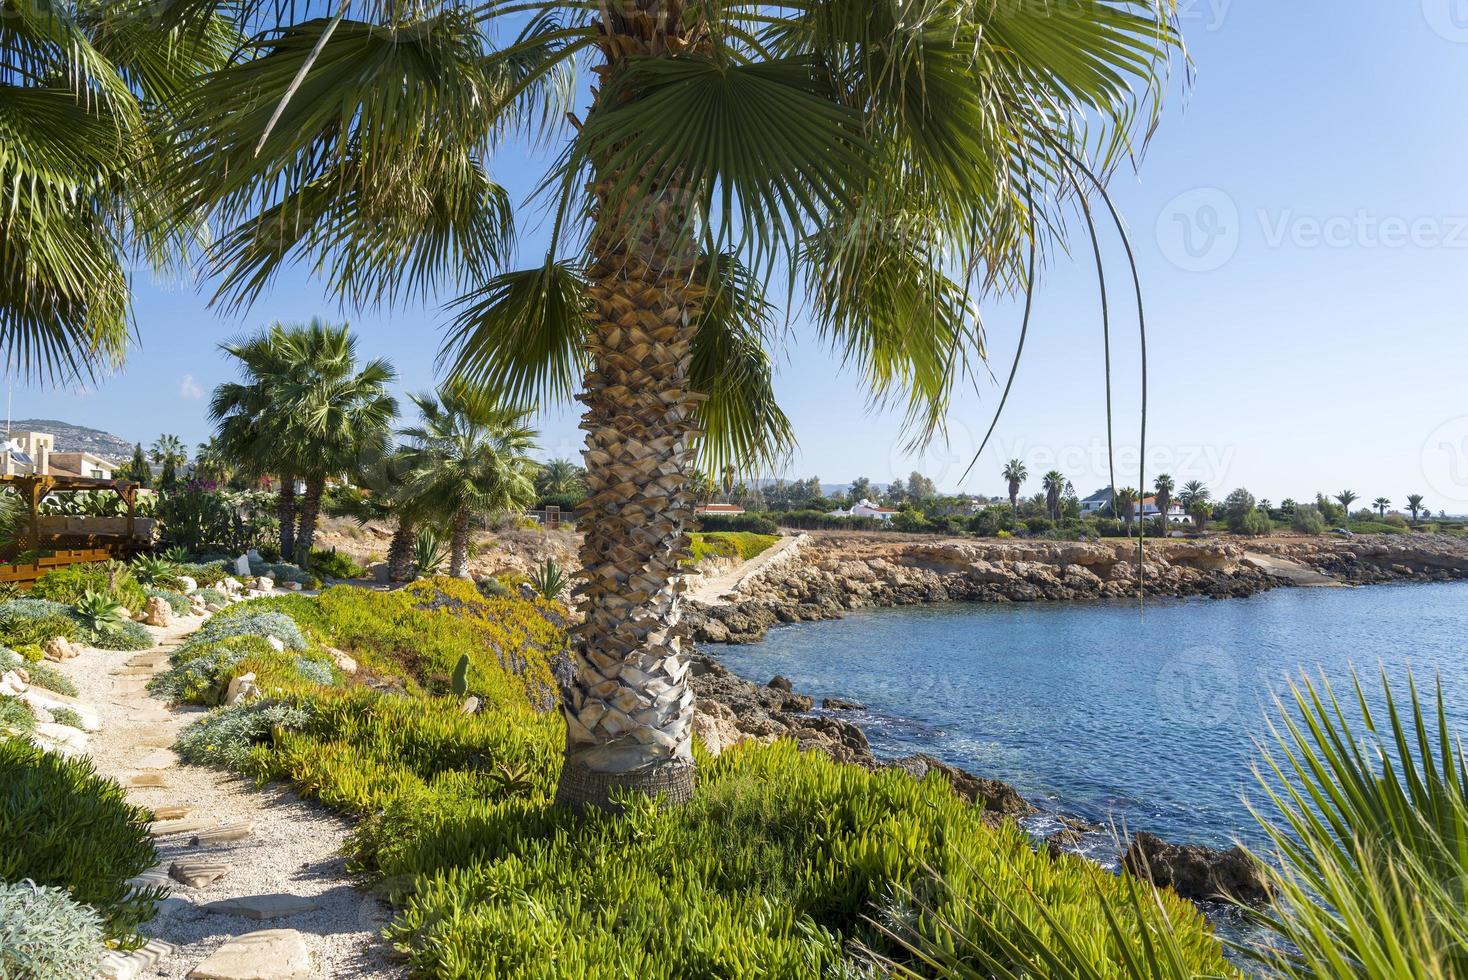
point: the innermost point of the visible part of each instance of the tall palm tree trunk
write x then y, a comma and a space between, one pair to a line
285, 510
459, 545
310, 511
629, 709
400, 552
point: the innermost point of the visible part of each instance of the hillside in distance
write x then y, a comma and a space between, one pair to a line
78, 438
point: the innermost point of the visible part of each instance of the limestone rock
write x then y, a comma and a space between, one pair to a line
999, 800
261, 907
172, 812
241, 689
293, 586
264, 584
147, 780
343, 661
223, 834
61, 739
276, 643
186, 825
1197, 872
59, 648
841, 704
187, 585
42, 716
52, 702
13, 683
130, 966
198, 872
157, 612
157, 759
780, 683
270, 954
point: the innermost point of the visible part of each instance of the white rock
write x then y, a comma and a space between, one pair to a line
158, 759
186, 584
241, 689
270, 954
51, 701
276, 643
130, 966
344, 663
293, 586
59, 648
61, 738
231, 584
12, 684
213, 607
157, 612
265, 584
242, 566
198, 872
42, 716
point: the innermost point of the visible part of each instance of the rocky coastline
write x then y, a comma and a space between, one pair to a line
835, 573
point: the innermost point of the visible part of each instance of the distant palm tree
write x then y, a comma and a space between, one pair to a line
1414, 504
1164, 486
1347, 498
469, 456
304, 412
169, 453
1126, 498
561, 476
1054, 484
1016, 473
1381, 504
1194, 491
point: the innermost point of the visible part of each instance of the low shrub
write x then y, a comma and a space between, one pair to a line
15, 717
247, 619
742, 545
229, 736
279, 572
990, 521
155, 571
178, 603
63, 825
127, 635
44, 935
201, 672
67, 717
204, 574
213, 597
1251, 523
41, 674
752, 523
110, 578
334, 564
31, 622
1307, 520
1375, 527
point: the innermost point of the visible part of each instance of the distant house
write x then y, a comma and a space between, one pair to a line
1101, 500
1096, 502
731, 510
34, 453
865, 508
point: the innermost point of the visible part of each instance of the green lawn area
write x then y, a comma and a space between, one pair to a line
743, 545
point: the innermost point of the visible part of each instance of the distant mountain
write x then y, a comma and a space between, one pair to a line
78, 438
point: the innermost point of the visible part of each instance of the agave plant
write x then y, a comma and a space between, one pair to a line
155, 570
430, 551
548, 579
176, 555
99, 612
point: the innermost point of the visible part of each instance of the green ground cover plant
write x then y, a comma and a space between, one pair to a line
31, 622
109, 578
742, 545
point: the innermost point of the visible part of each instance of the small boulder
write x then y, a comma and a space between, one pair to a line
276, 643
187, 584
58, 648
1197, 872
12, 684
213, 607
293, 586
343, 661
841, 704
264, 584
157, 612
999, 799
780, 683
241, 689
471, 706
231, 584
42, 715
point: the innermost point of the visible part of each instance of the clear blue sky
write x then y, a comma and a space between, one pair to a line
1302, 228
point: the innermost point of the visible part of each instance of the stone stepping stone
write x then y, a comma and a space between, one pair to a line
155, 878
198, 872
140, 670
261, 907
168, 828
158, 759
149, 660
223, 834
154, 740
147, 780
270, 954
170, 812
130, 966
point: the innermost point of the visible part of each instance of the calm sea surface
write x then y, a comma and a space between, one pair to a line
1141, 719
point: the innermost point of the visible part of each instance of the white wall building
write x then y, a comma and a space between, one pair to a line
865, 508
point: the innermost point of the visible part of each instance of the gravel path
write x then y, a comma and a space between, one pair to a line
293, 848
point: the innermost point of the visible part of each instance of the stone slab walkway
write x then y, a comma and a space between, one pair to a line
284, 907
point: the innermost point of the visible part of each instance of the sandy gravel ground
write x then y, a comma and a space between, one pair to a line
294, 848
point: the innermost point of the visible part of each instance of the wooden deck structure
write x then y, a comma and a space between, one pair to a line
91, 539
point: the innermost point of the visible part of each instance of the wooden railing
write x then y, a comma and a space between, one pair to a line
25, 575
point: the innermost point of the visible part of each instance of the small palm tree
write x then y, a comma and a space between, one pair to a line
468, 457
1164, 486
212, 462
169, 453
1346, 499
1054, 485
560, 476
1126, 499
1381, 504
1414, 504
1015, 474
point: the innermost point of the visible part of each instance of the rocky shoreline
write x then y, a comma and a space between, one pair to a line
835, 573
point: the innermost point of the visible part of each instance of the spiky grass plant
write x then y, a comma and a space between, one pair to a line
1368, 821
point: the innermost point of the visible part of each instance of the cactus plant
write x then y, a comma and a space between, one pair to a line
461, 677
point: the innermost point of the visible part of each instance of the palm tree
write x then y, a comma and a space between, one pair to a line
1381, 504
306, 412
926, 153
1015, 474
1126, 499
1054, 484
468, 457
560, 476
1414, 504
90, 90
169, 453
1347, 498
212, 462
1164, 486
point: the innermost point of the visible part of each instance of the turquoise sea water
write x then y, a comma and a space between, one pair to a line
1141, 719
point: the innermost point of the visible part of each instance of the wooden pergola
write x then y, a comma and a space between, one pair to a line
70, 548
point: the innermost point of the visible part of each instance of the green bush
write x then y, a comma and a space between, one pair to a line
110, 578
15, 716
752, 523
42, 674
127, 635
248, 619
742, 545
213, 597
155, 571
63, 825
1307, 520
228, 736
1252, 523
334, 564
31, 622
67, 717
990, 521
204, 574
44, 935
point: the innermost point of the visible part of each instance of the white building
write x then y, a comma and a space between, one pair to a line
34, 454
1101, 499
865, 508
